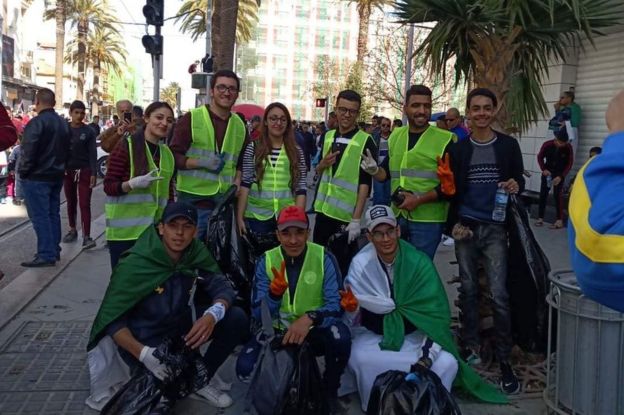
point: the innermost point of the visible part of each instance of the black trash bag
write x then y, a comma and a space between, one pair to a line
255, 245
145, 394
306, 393
227, 250
393, 395
273, 372
527, 281
338, 244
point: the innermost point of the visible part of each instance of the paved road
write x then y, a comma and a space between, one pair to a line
19, 244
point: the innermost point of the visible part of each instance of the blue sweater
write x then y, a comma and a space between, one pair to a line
332, 282
596, 231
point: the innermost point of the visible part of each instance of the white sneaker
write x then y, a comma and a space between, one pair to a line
214, 396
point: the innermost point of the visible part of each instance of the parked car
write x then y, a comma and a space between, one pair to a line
102, 159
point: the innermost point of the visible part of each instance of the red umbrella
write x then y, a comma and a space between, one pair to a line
249, 110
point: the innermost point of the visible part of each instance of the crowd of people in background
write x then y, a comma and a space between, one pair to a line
398, 187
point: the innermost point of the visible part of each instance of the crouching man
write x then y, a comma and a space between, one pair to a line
151, 297
400, 314
300, 281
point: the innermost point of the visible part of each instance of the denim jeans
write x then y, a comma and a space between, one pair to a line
488, 246
381, 193
425, 236
43, 203
203, 214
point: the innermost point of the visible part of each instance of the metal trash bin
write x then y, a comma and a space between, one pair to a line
586, 375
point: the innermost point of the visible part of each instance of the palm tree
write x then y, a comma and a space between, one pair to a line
507, 45
169, 94
364, 9
225, 33
104, 50
81, 14
60, 17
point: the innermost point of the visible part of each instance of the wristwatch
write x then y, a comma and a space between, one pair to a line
313, 315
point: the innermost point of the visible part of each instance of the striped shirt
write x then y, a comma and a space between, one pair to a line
249, 168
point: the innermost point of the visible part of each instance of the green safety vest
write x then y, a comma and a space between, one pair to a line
337, 194
309, 290
266, 201
201, 181
129, 215
416, 170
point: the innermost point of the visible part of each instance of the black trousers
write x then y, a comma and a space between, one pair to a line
557, 193
334, 343
324, 228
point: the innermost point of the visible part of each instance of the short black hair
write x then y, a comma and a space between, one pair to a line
349, 95
397, 122
417, 90
115, 117
77, 105
569, 94
137, 111
332, 114
596, 150
46, 97
481, 92
224, 73
562, 135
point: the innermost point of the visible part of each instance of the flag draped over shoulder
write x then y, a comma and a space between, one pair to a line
420, 298
146, 266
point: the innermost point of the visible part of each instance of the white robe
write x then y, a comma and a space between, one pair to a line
107, 373
371, 288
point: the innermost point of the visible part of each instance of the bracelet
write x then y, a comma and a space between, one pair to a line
217, 310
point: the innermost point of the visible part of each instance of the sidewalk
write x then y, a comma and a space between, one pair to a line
42, 350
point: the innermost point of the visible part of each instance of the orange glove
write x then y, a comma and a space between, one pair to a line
279, 284
348, 301
447, 179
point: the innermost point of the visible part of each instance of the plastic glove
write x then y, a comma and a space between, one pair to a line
369, 165
152, 363
214, 162
279, 284
447, 179
354, 229
143, 182
348, 302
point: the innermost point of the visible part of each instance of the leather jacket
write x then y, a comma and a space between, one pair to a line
45, 147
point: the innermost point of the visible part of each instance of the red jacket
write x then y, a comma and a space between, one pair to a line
8, 133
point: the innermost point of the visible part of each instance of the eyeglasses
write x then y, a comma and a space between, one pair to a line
379, 236
344, 111
278, 120
222, 88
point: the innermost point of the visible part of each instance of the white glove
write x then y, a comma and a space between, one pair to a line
214, 162
143, 182
354, 229
152, 363
369, 165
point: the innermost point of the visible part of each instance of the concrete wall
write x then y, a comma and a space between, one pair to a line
560, 78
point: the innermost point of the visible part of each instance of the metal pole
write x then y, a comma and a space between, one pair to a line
209, 27
157, 67
408, 64
326, 109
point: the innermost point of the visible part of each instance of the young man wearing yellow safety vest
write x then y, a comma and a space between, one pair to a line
416, 153
300, 281
207, 145
343, 185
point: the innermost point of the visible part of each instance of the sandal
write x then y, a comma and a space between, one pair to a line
557, 225
540, 222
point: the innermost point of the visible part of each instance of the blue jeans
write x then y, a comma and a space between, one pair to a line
381, 193
488, 246
202, 214
43, 203
425, 236
261, 226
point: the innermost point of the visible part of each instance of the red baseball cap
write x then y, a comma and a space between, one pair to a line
292, 216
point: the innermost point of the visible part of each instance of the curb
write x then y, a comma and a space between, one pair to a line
30, 283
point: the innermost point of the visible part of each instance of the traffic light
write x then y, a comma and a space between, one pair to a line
321, 102
153, 44
154, 11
